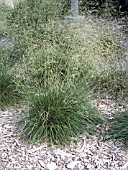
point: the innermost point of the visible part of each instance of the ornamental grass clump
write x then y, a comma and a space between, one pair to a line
120, 127
59, 112
9, 93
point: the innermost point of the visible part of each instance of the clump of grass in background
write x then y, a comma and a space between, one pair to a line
56, 57
120, 127
4, 11
68, 50
9, 94
102, 56
110, 8
32, 29
114, 83
90, 7
59, 112
97, 47
28, 22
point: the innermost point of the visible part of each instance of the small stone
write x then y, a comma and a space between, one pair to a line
72, 164
42, 164
62, 153
5, 132
4, 155
89, 166
52, 166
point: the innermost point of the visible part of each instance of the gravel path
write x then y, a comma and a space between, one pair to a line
95, 153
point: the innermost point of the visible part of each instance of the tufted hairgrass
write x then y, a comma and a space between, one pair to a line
59, 112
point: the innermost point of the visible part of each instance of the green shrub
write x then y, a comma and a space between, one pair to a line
58, 112
120, 127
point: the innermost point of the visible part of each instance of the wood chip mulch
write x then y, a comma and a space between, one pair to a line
95, 153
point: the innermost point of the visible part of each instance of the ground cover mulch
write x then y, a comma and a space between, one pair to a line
95, 153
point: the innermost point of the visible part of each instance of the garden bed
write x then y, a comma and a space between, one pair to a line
53, 69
